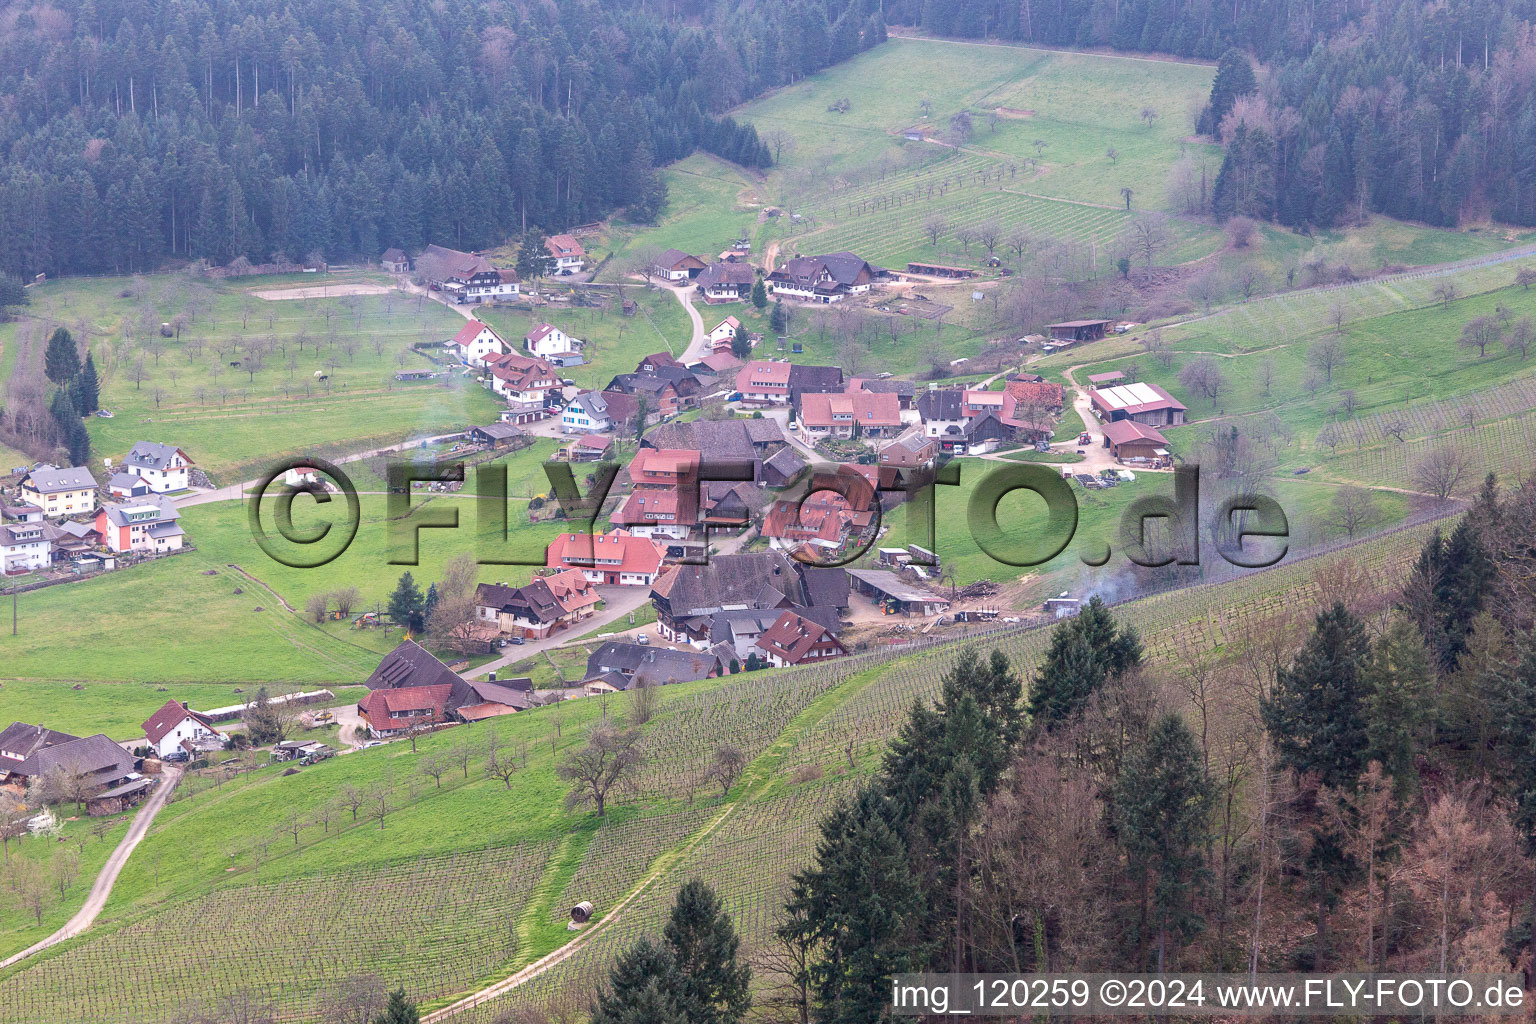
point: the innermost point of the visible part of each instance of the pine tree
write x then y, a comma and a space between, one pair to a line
86, 388
1162, 806
399, 1010
759, 294
406, 604
61, 360
714, 983
1318, 712
1084, 652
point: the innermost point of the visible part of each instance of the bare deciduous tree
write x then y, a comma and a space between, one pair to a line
1440, 472
1327, 355
1352, 509
726, 767
608, 762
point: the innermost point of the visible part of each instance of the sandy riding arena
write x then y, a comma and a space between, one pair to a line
333, 291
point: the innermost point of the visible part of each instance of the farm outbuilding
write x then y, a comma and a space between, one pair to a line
894, 594
1078, 330
1144, 403
1127, 439
940, 270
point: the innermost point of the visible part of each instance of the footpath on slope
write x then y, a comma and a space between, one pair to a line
102, 888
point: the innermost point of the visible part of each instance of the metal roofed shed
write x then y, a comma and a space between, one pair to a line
895, 595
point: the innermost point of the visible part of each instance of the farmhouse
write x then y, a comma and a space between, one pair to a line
549, 342
793, 640
105, 768
660, 394
687, 597
440, 267
410, 667
717, 441
177, 731
1039, 394
59, 492
140, 524
857, 414
723, 333
617, 558
824, 279
1127, 439
567, 253
739, 629
813, 380
163, 467
895, 596
1143, 403
527, 384
1073, 331
676, 265
546, 604
394, 712
495, 699
19, 741
943, 417
658, 666
781, 468
476, 342
726, 281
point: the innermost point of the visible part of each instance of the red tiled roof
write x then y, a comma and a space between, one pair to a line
378, 705
170, 715
538, 333
1121, 431
762, 372
1042, 393
470, 331
597, 550
572, 589
792, 637
669, 463
864, 408
564, 245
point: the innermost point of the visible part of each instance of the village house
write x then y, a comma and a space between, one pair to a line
394, 261
675, 265
723, 333
660, 394
857, 414
617, 558
104, 769
824, 279
528, 385
717, 364
586, 448
726, 281
665, 498
733, 442
550, 343
491, 284
943, 417
449, 270
911, 450
739, 628
587, 413
59, 492
25, 546
622, 666
763, 382
1038, 394
176, 731
476, 342
546, 604
794, 640
567, 252
1140, 402
147, 524
163, 467
1013, 421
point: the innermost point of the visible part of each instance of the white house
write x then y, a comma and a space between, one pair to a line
549, 342
24, 546
475, 342
164, 467
491, 285
567, 253
723, 333
176, 729
586, 414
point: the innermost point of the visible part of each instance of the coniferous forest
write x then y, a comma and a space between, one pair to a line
1415, 109
135, 132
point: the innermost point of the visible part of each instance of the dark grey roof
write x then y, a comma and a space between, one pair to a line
845, 267
827, 587
508, 693
93, 755
23, 740
940, 404
655, 664
764, 431
712, 439
49, 479
723, 625
815, 378
499, 431
118, 512
786, 462
151, 455
726, 272
410, 664
754, 579
905, 388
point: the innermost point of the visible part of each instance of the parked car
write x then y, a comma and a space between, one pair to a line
371, 743
642, 640
516, 641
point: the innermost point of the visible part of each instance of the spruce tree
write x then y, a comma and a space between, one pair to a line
1400, 681
1318, 712
778, 321
61, 360
399, 1010
1234, 78
406, 603
714, 985
643, 988
1162, 806
429, 603
533, 259
759, 294
87, 388
1084, 652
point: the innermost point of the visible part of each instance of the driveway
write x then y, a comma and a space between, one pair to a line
102, 889
698, 347
620, 602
